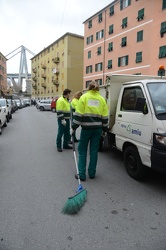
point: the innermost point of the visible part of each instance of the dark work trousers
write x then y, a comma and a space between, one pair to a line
63, 131
87, 136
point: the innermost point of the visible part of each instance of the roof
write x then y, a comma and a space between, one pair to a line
109, 5
66, 34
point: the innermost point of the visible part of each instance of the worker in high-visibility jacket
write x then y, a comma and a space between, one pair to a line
74, 103
63, 117
92, 115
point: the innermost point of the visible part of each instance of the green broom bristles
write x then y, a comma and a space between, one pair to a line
74, 204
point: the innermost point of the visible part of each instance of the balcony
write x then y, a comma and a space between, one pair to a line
55, 59
55, 70
34, 86
43, 84
34, 78
55, 81
43, 75
34, 70
43, 65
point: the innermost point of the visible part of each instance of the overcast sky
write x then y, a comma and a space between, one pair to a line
38, 23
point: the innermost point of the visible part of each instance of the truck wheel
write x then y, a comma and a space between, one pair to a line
53, 110
133, 164
101, 144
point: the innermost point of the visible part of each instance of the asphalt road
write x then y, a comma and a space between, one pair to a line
36, 180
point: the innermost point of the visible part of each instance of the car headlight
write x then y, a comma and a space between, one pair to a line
161, 139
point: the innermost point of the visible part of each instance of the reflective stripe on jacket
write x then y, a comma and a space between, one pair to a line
91, 111
63, 108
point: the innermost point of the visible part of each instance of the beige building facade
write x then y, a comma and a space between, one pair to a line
3, 75
125, 37
58, 66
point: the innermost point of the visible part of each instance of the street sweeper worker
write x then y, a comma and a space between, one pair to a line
92, 115
63, 118
74, 103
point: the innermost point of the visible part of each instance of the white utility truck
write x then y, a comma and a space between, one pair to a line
137, 121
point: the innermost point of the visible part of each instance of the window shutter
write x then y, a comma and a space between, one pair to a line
119, 62
129, 2
96, 35
127, 60
121, 4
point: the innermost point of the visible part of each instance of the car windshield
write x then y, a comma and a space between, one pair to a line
158, 96
2, 102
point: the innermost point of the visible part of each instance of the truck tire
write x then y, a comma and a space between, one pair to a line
101, 144
133, 164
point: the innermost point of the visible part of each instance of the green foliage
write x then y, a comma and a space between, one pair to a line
74, 204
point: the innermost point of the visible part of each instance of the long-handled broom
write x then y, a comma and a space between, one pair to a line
74, 203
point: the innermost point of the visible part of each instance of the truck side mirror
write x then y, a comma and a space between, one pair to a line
141, 105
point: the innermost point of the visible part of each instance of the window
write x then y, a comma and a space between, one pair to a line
99, 34
139, 36
140, 15
99, 51
111, 29
111, 10
90, 24
87, 83
129, 98
89, 54
98, 67
138, 57
122, 61
164, 4
124, 4
100, 18
124, 41
162, 52
99, 81
89, 69
124, 23
110, 46
89, 39
163, 29
109, 66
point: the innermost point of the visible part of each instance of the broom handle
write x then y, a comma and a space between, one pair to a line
75, 158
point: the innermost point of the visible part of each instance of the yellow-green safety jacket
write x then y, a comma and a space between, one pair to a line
63, 108
74, 103
91, 112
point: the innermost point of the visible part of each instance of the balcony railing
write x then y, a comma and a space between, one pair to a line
43, 84
55, 70
43, 75
43, 65
56, 59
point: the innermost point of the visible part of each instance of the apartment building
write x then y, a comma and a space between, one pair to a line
3, 75
125, 37
58, 66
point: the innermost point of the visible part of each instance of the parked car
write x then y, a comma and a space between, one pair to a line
19, 104
7, 108
11, 103
27, 102
44, 105
3, 120
53, 104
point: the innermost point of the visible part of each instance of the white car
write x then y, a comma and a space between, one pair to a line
7, 108
3, 120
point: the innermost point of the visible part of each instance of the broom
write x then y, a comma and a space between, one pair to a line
74, 203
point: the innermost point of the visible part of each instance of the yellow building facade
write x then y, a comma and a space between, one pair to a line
58, 66
3, 75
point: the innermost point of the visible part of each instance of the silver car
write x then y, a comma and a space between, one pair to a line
44, 105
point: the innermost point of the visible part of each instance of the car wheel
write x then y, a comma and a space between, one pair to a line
133, 164
53, 110
41, 108
7, 118
5, 124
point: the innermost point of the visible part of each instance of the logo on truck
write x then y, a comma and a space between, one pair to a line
130, 130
